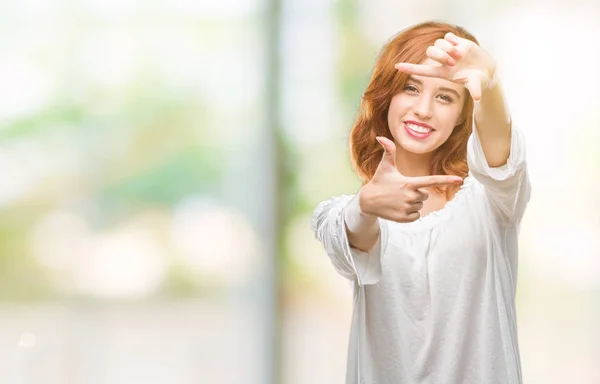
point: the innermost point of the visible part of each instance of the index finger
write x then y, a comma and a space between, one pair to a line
420, 69
433, 181
451, 37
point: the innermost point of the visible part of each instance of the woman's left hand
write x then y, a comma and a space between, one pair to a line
459, 60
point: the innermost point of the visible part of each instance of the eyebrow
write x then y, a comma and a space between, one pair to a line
446, 89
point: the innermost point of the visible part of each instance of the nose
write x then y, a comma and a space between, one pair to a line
423, 107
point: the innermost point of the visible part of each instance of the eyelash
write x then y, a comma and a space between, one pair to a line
412, 88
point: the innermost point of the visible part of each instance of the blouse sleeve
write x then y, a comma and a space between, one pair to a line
507, 187
330, 229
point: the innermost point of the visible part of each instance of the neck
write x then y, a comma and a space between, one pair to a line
413, 164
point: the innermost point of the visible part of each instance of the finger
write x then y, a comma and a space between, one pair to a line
433, 181
452, 38
420, 69
415, 207
413, 216
439, 55
389, 151
422, 195
415, 196
446, 46
474, 87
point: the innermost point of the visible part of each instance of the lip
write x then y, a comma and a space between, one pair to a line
419, 123
417, 135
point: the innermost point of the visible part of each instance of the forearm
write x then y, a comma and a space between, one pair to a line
362, 229
493, 122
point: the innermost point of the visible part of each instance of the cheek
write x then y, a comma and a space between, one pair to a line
453, 118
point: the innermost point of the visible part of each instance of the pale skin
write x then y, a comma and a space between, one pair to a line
402, 188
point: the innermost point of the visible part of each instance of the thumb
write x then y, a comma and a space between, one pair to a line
389, 154
474, 87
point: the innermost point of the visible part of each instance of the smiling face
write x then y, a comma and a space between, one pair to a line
424, 113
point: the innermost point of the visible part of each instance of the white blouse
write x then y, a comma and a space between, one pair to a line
434, 300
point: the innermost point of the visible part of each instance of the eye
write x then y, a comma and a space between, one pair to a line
446, 98
410, 88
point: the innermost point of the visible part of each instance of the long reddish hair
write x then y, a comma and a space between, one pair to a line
408, 46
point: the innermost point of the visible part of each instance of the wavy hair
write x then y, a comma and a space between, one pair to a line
409, 46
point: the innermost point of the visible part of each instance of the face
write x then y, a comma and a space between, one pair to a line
424, 113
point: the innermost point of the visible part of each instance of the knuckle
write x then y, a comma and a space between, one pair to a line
403, 217
400, 219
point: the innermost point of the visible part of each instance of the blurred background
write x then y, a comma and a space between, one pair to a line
160, 160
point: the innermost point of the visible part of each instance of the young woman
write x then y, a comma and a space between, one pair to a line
430, 240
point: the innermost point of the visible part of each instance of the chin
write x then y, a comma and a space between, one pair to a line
418, 148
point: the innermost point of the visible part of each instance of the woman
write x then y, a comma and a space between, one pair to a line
430, 240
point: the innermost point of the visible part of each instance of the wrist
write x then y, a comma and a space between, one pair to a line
354, 216
362, 203
491, 80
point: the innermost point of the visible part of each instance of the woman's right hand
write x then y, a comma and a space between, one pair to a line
393, 196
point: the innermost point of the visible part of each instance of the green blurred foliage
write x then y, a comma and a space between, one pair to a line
143, 153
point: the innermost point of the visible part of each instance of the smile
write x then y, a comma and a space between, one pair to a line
418, 131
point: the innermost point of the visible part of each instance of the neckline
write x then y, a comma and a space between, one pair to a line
435, 217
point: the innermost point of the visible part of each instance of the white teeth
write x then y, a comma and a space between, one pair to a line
418, 128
